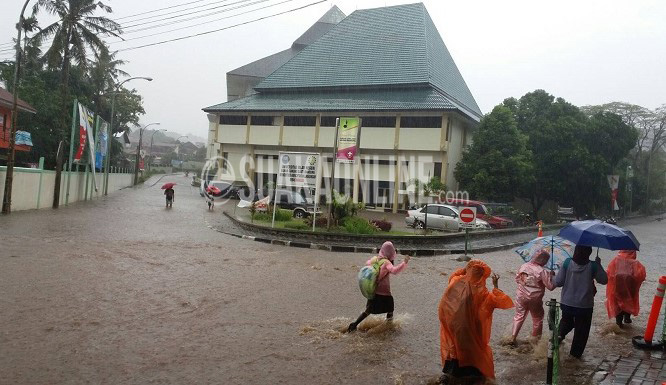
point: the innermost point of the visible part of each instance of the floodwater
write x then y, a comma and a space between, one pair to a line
122, 290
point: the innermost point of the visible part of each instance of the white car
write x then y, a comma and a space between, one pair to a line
440, 217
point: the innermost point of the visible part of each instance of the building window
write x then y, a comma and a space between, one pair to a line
225, 160
327, 121
303, 121
380, 162
236, 120
421, 122
378, 121
262, 120
438, 170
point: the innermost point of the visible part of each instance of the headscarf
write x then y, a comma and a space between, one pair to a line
387, 251
541, 258
582, 254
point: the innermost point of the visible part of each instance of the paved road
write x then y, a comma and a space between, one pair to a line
123, 290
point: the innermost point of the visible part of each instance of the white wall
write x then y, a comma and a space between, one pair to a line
27, 193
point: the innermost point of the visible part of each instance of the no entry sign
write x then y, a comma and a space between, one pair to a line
468, 216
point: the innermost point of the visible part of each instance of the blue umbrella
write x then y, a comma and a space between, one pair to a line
596, 233
559, 248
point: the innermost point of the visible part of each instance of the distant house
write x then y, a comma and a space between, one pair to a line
6, 100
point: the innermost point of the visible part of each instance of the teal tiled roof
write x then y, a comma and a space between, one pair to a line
420, 98
381, 47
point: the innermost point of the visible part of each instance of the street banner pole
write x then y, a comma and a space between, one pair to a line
552, 368
71, 149
316, 199
333, 163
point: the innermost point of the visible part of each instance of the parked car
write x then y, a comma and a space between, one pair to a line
292, 200
227, 189
482, 213
440, 217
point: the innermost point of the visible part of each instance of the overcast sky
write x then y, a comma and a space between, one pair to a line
588, 52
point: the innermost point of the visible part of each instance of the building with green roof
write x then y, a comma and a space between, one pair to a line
388, 66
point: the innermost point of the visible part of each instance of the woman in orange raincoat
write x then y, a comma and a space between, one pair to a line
466, 317
625, 276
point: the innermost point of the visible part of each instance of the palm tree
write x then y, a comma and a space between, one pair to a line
104, 73
76, 31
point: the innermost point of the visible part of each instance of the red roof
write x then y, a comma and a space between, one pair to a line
6, 100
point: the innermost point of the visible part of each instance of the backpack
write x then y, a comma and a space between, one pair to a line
368, 277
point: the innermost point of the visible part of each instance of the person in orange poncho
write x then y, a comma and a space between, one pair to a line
625, 276
465, 319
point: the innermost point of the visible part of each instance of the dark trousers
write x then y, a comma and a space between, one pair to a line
579, 320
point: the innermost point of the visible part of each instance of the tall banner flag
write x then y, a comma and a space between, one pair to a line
347, 145
85, 125
613, 183
100, 152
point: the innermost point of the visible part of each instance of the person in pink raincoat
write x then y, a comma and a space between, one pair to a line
533, 280
625, 276
382, 302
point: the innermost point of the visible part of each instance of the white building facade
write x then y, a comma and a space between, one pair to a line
417, 114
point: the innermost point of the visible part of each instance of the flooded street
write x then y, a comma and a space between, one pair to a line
123, 290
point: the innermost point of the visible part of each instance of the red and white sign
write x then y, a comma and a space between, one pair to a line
468, 216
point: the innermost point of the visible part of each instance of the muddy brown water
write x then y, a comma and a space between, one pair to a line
123, 290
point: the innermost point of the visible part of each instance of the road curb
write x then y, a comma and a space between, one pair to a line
371, 250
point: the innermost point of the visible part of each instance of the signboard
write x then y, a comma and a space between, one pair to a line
85, 125
298, 169
348, 131
613, 183
468, 216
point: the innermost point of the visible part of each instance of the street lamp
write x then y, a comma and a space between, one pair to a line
138, 149
151, 146
11, 150
110, 130
178, 147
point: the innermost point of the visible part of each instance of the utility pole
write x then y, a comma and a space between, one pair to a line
11, 151
138, 150
109, 134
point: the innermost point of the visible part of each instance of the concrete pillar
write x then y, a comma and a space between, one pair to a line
396, 177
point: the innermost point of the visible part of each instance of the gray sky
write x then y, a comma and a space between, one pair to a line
588, 52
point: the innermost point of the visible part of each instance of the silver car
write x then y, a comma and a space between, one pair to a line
440, 217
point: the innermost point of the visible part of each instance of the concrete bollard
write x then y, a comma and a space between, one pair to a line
645, 342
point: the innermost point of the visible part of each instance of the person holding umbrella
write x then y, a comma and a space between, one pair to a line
169, 193
533, 280
576, 278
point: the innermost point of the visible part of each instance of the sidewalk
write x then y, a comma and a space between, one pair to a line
639, 367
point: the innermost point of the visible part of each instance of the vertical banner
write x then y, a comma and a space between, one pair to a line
91, 148
100, 153
613, 183
346, 147
85, 124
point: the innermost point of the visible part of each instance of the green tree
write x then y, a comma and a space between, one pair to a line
76, 31
498, 162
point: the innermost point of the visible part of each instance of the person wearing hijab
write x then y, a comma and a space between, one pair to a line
382, 302
625, 276
576, 278
532, 280
465, 318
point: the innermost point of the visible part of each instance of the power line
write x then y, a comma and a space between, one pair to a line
222, 29
184, 14
198, 17
48, 40
205, 22
172, 12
